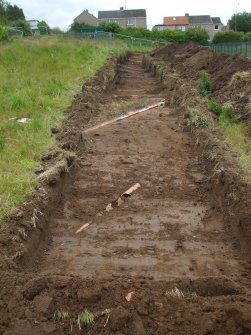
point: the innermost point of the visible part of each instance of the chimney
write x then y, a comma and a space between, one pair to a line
121, 8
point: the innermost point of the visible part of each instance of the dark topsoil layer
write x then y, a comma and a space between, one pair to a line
189, 59
28, 300
231, 77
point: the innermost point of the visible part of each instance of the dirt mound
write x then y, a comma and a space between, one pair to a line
228, 86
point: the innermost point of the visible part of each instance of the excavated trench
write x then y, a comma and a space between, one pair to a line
166, 229
165, 235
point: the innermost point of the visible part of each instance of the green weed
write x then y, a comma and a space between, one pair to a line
197, 118
214, 107
61, 315
236, 134
85, 319
205, 85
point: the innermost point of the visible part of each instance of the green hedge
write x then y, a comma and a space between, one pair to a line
196, 35
231, 36
3, 34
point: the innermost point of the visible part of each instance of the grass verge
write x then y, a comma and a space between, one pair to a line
38, 80
236, 134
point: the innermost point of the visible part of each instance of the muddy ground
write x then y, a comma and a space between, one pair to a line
168, 245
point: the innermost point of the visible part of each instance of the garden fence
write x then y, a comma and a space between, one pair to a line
102, 35
230, 48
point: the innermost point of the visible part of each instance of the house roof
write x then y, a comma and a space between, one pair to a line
216, 20
176, 21
200, 19
121, 14
87, 13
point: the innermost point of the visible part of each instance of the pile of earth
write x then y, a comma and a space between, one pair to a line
230, 75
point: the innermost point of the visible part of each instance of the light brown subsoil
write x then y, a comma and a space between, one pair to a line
166, 243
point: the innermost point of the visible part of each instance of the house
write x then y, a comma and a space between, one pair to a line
124, 17
87, 17
34, 27
218, 25
176, 22
211, 24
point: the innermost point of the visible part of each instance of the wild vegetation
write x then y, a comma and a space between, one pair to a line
240, 22
235, 132
197, 35
13, 16
231, 36
38, 80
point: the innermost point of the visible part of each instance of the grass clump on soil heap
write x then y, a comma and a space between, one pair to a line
236, 134
205, 85
38, 80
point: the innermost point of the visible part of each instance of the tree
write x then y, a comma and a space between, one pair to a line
75, 26
2, 8
112, 27
56, 30
14, 13
197, 35
240, 22
21, 24
43, 28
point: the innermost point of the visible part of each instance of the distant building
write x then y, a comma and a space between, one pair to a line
34, 27
176, 22
124, 17
211, 24
87, 17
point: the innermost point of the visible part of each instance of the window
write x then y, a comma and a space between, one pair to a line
112, 20
182, 28
216, 27
131, 22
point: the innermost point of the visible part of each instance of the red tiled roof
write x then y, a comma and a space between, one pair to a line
176, 20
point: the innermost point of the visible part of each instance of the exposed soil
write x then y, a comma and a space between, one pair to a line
189, 59
168, 243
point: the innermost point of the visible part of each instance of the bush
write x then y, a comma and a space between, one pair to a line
3, 34
214, 107
197, 35
175, 36
228, 36
247, 37
112, 27
75, 26
205, 85
224, 112
23, 25
227, 116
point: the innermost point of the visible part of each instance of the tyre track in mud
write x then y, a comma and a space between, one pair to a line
165, 235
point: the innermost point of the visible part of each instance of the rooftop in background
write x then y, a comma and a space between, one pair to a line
200, 19
122, 14
216, 20
176, 20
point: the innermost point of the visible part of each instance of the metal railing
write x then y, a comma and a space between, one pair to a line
102, 35
231, 48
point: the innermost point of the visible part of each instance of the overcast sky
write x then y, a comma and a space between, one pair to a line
61, 13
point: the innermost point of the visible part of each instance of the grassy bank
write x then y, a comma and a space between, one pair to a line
236, 134
38, 80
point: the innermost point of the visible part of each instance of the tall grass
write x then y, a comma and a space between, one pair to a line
236, 133
38, 80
